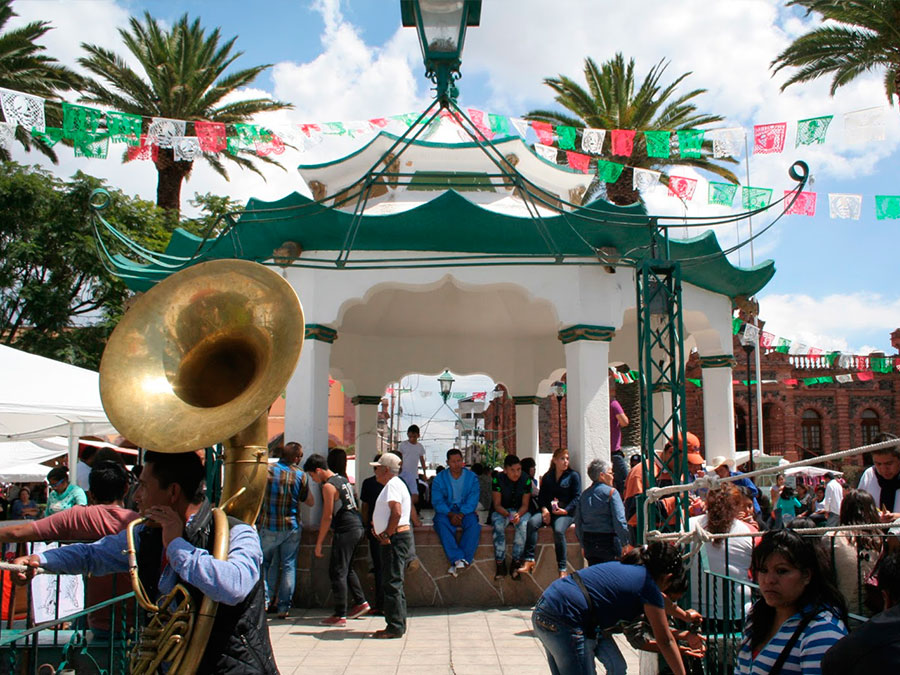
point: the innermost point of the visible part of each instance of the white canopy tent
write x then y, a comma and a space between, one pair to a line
41, 398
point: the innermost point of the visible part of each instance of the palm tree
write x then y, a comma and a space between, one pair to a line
864, 37
610, 102
24, 67
183, 78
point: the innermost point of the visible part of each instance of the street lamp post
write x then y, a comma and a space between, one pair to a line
558, 389
748, 348
446, 381
441, 25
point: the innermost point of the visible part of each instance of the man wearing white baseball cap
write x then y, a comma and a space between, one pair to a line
390, 525
724, 467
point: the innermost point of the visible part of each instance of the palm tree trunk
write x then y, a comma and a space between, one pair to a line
170, 176
622, 192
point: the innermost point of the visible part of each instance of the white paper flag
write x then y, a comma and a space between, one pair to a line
592, 141
23, 109
186, 148
163, 131
846, 361
520, 125
548, 152
799, 348
843, 379
844, 206
7, 132
864, 126
727, 142
645, 180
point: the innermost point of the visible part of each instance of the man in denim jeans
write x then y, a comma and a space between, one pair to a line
511, 492
279, 526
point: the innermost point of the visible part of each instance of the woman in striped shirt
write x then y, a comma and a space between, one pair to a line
801, 612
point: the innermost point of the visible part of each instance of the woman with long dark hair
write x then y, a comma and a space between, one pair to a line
801, 612
855, 553
569, 618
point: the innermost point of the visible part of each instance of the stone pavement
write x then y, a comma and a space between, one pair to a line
439, 641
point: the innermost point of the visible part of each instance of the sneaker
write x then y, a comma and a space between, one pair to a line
336, 621
358, 611
412, 565
453, 571
501, 569
461, 565
386, 635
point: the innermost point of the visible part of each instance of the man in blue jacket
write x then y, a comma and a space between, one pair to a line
454, 495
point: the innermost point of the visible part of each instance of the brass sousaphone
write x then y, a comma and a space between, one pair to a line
197, 360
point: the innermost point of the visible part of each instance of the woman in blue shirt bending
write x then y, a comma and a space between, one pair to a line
801, 613
574, 610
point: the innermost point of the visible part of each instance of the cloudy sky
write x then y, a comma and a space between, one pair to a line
347, 60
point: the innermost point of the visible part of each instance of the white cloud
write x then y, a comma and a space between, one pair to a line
841, 321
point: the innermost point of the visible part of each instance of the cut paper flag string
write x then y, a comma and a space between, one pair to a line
769, 138
544, 131
592, 141
682, 187
123, 127
7, 133
844, 206
728, 142
566, 137
211, 136
578, 161
887, 207
547, 152
50, 136
690, 142
143, 151
812, 130
755, 197
864, 126
622, 141
163, 131
766, 339
79, 118
645, 180
186, 148
91, 146
520, 125
609, 172
659, 143
804, 205
22, 109
722, 193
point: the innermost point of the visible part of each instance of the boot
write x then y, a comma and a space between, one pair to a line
501, 569
514, 570
527, 567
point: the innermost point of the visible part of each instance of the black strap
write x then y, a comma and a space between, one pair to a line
590, 628
779, 663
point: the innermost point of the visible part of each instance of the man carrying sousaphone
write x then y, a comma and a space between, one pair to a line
173, 547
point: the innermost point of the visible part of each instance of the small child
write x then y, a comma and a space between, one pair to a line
789, 505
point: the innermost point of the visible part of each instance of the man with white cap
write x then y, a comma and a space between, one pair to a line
390, 525
724, 467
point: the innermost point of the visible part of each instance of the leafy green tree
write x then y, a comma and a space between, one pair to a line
183, 77
858, 36
57, 297
25, 67
611, 102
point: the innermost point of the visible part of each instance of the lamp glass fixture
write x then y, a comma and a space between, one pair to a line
446, 381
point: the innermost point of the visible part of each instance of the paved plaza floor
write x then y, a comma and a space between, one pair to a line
439, 641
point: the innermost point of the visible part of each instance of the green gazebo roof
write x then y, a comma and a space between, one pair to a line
451, 224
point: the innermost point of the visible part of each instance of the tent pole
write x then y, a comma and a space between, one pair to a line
73, 455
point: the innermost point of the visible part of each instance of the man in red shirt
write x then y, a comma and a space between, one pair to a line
107, 515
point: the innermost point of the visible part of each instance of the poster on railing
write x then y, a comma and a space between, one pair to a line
44, 592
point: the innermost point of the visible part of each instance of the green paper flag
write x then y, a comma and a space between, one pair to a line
245, 136
812, 130
79, 118
123, 127
92, 146
736, 324
826, 379
832, 357
696, 383
690, 141
50, 136
810, 380
334, 129
499, 124
722, 193
755, 197
658, 143
634, 375
887, 207
609, 172
566, 136
880, 364
783, 346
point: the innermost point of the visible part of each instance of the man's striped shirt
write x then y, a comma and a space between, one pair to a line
806, 656
279, 509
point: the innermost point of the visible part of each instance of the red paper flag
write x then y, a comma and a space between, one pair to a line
766, 339
622, 141
380, 122
805, 205
478, 119
479, 395
544, 131
790, 381
682, 187
814, 351
308, 129
211, 136
865, 376
142, 151
769, 138
578, 161
862, 363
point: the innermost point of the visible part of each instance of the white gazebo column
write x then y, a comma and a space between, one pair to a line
527, 426
306, 403
718, 405
366, 435
587, 393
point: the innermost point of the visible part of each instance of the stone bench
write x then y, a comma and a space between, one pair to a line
430, 585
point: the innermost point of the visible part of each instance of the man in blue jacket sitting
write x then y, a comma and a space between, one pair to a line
454, 495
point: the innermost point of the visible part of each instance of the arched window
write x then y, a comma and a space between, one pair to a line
773, 435
870, 426
811, 433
